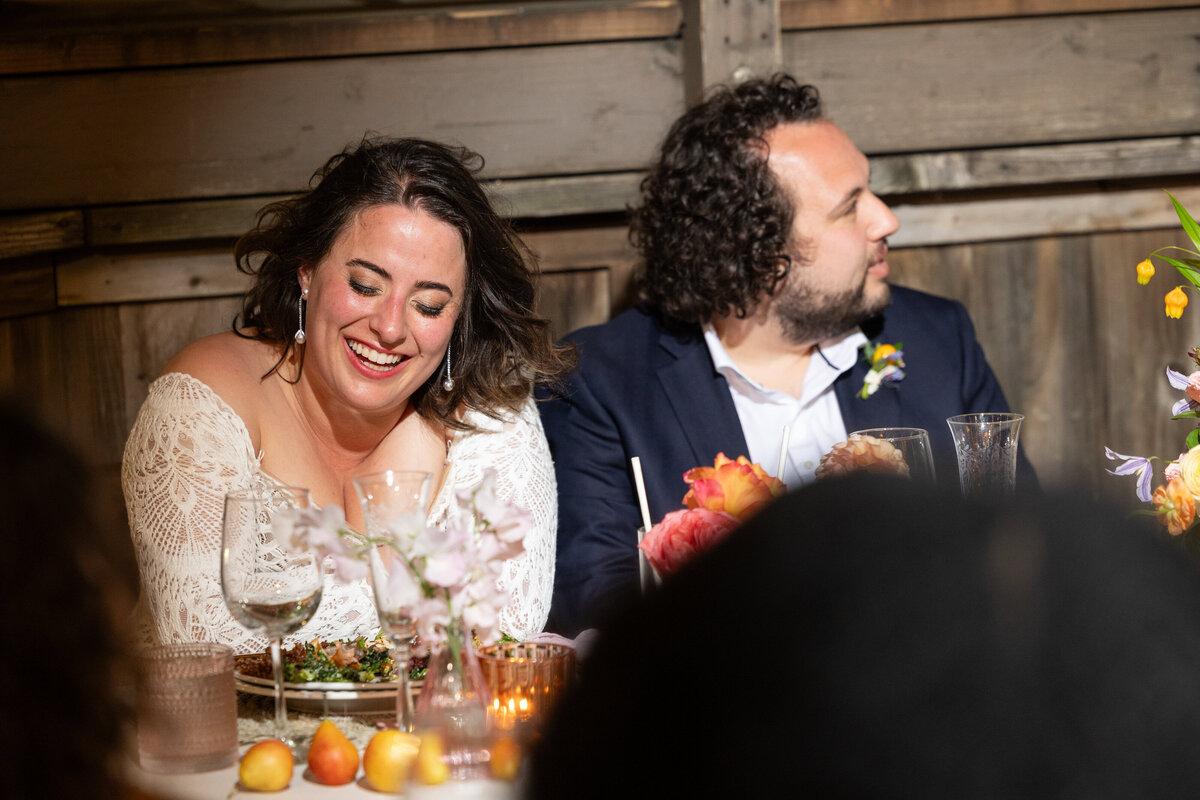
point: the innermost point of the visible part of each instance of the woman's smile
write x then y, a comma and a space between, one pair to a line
374, 363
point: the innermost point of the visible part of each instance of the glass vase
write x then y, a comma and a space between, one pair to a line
452, 708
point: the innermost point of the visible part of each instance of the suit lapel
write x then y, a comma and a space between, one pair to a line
880, 410
700, 399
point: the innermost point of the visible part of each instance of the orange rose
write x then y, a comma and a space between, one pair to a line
736, 487
1175, 505
1189, 471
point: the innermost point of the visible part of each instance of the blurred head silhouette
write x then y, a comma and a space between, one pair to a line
864, 637
65, 592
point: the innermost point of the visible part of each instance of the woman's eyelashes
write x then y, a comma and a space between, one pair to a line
424, 308
362, 288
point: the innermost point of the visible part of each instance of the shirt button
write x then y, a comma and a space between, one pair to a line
808, 465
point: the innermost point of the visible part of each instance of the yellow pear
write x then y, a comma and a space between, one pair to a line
388, 758
332, 758
430, 768
267, 766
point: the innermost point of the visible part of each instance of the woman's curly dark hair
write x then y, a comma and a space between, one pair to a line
500, 346
713, 226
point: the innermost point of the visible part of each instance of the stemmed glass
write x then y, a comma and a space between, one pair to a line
267, 585
394, 504
913, 444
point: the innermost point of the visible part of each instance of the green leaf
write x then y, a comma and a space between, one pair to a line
1186, 268
1193, 438
1187, 415
1186, 220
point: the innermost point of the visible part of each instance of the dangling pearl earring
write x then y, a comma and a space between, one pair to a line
447, 382
300, 337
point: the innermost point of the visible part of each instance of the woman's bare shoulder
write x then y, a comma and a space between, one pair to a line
231, 365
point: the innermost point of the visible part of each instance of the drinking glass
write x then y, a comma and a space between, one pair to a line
268, 585
186, 708
913, 444
394, 504
986, 446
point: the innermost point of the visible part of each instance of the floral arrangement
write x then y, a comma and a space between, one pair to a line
887, 366
719, 498
1173, 502
1188, 265
446, 575
862, 453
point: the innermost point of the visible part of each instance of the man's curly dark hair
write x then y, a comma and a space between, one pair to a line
713, 225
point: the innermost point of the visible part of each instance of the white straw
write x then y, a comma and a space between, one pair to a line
641, 491
787, 433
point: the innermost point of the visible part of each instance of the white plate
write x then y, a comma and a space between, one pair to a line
341, 697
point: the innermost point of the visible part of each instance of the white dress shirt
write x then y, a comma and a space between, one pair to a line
814, 418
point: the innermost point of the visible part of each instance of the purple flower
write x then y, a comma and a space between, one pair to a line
1133, 465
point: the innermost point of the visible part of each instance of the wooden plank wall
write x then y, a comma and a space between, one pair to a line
1022, 143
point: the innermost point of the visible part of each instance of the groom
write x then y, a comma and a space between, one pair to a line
763, 287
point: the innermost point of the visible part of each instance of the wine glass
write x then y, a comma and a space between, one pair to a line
986, 446
268, 586
394, 504
913, 444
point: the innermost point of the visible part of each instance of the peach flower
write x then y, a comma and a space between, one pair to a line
682, 534
1175, 506
862, 453
737, 487
1189, 471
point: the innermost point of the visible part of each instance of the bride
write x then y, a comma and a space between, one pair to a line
389, 326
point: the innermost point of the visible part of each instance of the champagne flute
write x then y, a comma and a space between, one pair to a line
394, 504
913, 444
267, 585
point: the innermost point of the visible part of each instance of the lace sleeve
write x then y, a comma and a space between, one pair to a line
188, 448
517, 450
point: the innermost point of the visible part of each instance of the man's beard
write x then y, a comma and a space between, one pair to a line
810, 315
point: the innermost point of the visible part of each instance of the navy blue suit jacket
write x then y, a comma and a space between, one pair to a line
646, 387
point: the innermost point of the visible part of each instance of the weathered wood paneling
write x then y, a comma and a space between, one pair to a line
92, 139
1079, 347
575, 298
27, 286
117, 278
221, 37
962, 85
153, 332
1024, 217
21, 234
798, 14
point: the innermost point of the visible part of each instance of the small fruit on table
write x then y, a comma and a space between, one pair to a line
267, 766
430, 768
506, 758
388, 758
332, 758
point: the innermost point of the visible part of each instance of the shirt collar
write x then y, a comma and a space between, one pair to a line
837, 355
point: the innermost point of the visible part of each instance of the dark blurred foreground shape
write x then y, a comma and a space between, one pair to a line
65, 591
862, 639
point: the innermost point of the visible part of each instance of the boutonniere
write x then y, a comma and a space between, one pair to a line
887, 366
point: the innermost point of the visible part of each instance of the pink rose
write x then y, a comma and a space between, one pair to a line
682, 534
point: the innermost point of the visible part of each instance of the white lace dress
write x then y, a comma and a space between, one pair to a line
188, 448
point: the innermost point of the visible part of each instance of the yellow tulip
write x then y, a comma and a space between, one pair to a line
1145, 271
882, 352
1176, 301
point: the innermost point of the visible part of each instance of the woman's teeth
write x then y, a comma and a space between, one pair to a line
373, 358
